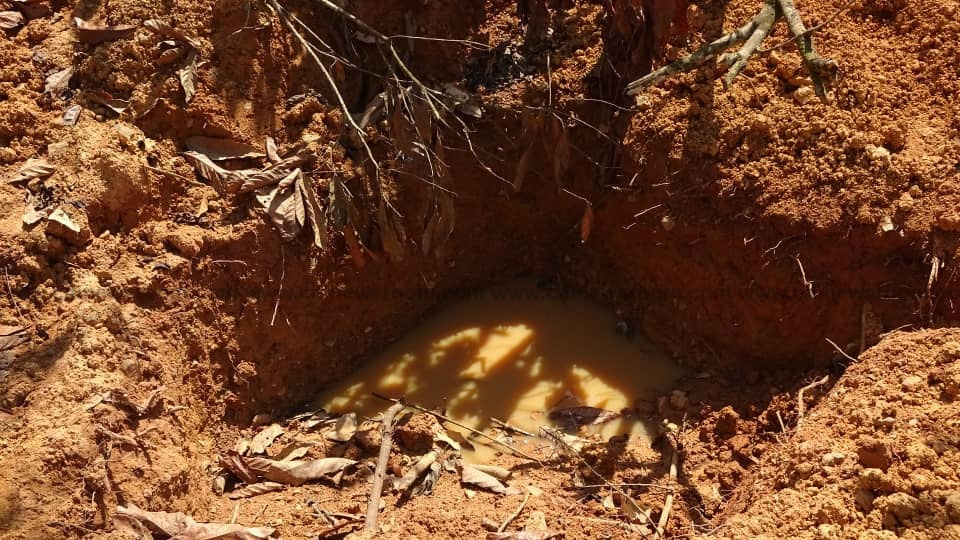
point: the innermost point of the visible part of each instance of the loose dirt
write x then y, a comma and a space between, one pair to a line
167, 321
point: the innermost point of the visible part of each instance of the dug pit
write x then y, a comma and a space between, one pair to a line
526, 354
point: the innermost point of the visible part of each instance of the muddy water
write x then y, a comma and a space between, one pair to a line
513, 352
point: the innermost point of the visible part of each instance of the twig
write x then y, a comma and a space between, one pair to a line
810, 31
373, 505
283, 272
765, 19
512, 428
803, 275
817, 67
694, 60
800, 404
668, 504
515, 451
513, 516
839, 350
783, 427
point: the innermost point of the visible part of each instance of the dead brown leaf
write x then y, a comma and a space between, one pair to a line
33, 168
179, 526
265, 438
58, 83
337, 207
314, 212
165, 30
214, 174
296, 472
108, 101
233, 462
586, 224
294, 450
416, 471
220, 149
255, 489
344, 429
497, 472
71, 115
271, 148
284, 207
97, 33
472, 476
11, 336
188, 76
10, 20
169, 56
61, 218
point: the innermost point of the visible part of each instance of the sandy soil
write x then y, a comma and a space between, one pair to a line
167, 320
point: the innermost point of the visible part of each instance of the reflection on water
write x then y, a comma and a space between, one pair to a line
513, 352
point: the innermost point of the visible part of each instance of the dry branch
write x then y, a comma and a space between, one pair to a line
373, 505
751, 35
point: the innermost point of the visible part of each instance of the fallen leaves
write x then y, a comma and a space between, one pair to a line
12, 336
182, 527
57, 83
97, 33
221, 149
473, 476
10, 20
265, 438
176, 47
296, 472
33, 168
188, 76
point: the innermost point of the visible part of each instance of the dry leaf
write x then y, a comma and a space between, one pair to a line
11, 336
203, 208
265, 438
581, 416
214, 174
353, 245
58, 83
169, 56
71, 115
416, 471
32, 215
10, 20
188, 76
33, 168
108, 101
219, 149
285, 208
233, 462
296, 472
180, 526
344, 429
314, 212
255, 489
165, 30
475, 477
586, 224
98, 33
33, 9
61, 217
294, 450
271, 147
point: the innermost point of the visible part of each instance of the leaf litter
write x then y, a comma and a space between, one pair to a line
92, 33
179, 526
12, 336
10, 20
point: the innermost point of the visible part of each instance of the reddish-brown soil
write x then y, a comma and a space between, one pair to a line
741, 229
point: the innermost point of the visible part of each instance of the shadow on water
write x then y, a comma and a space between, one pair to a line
514, 353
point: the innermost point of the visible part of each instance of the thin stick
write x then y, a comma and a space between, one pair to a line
839, 350
283, 272
668, 504
515, 451
800, 404
373, 506
513, 516
512, 428
803, 275
695, 59
738, 61
817, 66
810, 31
